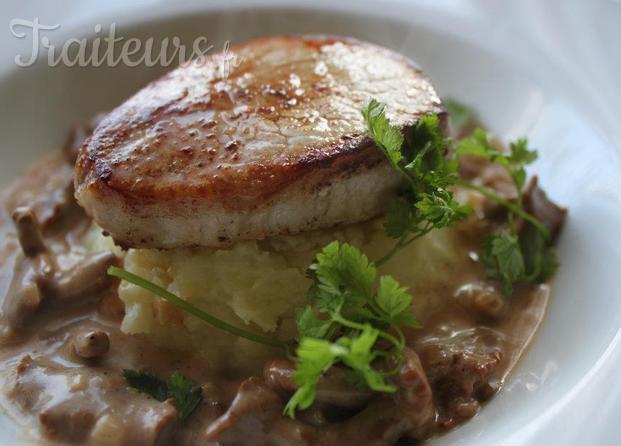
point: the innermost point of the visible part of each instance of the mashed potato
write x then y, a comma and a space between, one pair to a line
258, 286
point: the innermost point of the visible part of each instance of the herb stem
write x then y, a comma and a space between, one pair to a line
409, 179
191, 309
507, 204
401, 243
386, 257
358, 326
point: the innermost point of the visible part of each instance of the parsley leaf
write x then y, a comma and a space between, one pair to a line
540, 261
347, 314
425, 154
520, 252
479, 144
441, 208
520, 156
394, 301
388, 138
342, 273
422, 159
187, 394
335, 271
520, 153
525, 257
399, 218
316, 356
146, 383
313, 358
503, 256
309, 325
359, 356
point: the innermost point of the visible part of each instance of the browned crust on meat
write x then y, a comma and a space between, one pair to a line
343, 157
221, 179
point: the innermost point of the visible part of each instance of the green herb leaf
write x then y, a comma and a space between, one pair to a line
309, 325
343, 288
399, 218
425, 153
441, 209
313, 358
146, 383
540, 261
526, 257
423, 160
510, 256
342, 273
187, 394
479, 144
352, 316
359, 356
406, 319
316, 356
520, 156
503, 256
520, 153
388, 138
393, 299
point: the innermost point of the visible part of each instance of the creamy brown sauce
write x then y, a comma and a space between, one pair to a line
466, 348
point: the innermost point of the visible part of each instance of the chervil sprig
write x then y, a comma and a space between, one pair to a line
316, 356
348, 312
514, 163
516, 253
424, 159
421, 158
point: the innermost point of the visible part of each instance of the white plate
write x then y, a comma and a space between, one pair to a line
548, 70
